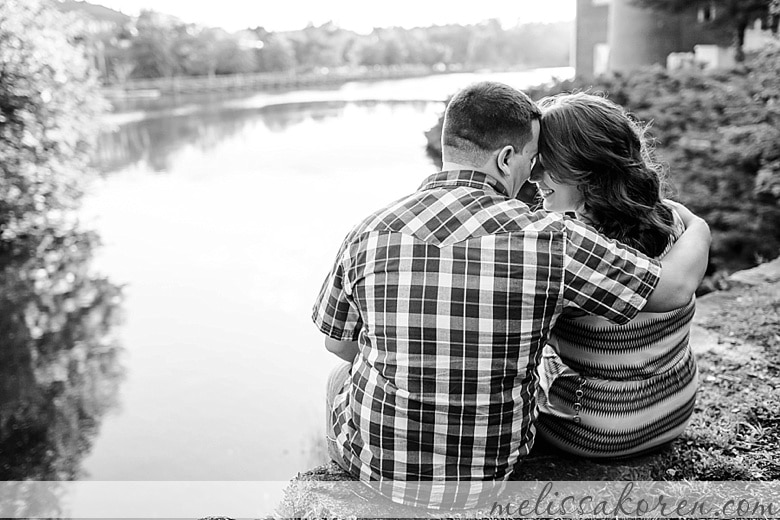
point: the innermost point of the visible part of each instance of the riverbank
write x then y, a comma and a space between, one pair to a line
734, 433
431, 87
258, 82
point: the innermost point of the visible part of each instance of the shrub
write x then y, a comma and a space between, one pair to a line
49, 102
59, 368
719, 134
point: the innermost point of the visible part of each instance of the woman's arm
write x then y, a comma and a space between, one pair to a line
683, 267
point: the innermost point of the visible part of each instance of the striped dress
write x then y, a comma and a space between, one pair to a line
610, 390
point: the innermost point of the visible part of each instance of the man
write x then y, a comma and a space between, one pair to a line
442, 301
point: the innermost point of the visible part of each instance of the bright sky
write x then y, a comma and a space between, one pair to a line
358, 15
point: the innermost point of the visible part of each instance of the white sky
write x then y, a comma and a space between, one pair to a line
358, 15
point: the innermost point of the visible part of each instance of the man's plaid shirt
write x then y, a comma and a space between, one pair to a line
451, 293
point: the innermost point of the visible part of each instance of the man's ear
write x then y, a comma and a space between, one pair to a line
503, 157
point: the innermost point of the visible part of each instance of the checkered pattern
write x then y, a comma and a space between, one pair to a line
451, 293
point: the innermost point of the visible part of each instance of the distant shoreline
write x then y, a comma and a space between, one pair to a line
128, 109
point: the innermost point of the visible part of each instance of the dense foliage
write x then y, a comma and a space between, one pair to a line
60, 365
58, 361
155, 45
48, 105
719, 134
732, 15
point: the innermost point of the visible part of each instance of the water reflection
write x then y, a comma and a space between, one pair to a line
59, 366
153, 141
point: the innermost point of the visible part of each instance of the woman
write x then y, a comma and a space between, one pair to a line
608, 390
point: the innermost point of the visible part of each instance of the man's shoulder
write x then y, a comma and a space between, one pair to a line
460, 214
540, 220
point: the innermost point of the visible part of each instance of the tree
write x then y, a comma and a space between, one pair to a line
49, 103
153, 48
232, 58
320, 46
59, 364
732, 15
719, 134
278, 55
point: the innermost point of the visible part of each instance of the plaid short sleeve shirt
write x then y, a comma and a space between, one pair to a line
451, 293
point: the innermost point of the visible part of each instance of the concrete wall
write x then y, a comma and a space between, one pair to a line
640, 37
590, 29
636, 37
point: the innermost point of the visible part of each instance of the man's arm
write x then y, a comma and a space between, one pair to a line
335, 312
683, 267
346, 350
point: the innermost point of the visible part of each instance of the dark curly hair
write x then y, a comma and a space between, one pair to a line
592, 143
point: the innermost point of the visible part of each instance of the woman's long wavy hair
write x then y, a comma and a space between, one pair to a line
592, 143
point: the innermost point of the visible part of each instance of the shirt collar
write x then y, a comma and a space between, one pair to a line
471, 178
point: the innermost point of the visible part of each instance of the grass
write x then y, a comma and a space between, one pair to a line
734, 433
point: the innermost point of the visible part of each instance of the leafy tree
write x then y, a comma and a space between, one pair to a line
733, 15
197, 51
774, 15
368, 52
719, 134
155, 45
538, 44
59, 367
277, 55
231, 57
49, 102
153, 48
60, 364
487, 45
423, 51
320, 46
456, 38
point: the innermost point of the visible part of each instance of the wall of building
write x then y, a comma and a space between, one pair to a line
636, 37
591, 29
640, 37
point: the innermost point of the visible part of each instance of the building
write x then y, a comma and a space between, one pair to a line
616, 35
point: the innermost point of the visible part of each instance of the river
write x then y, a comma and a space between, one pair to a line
221, 219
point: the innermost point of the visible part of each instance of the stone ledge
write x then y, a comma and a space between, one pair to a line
768, 272
547, 463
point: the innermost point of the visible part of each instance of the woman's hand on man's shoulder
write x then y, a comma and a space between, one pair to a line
685, 214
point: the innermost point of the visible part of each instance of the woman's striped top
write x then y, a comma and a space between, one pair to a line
617, 390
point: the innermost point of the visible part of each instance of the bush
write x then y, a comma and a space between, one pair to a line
719, 133
59, 368
49, 103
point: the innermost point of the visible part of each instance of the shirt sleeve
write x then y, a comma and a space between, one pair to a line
335, 312
603, 277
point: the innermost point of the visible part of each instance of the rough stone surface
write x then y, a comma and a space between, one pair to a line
547, 463
768, 272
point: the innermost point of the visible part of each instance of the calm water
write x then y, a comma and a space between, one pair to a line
221, 219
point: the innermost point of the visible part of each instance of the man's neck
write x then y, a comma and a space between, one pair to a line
451, 166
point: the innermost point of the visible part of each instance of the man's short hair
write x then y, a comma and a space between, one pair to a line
484, 117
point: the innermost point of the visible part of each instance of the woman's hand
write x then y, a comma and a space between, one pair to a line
686, 215
683, 267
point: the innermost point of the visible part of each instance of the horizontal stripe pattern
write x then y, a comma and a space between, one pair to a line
589, 441
638, 382
614, 398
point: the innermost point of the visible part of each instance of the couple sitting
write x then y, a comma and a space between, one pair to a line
469, 321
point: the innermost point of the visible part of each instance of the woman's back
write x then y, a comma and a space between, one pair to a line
606, 390
609, 391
